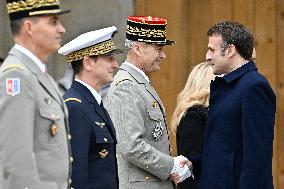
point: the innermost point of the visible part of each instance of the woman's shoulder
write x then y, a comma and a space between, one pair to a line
198, 109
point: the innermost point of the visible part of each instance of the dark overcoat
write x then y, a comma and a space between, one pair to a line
239, 132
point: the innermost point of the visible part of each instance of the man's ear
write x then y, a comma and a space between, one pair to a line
231, 50
137, 48
87, 63
27, 27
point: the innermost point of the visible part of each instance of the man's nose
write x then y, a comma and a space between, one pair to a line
163, 54
61, 28
208, 56
115, 64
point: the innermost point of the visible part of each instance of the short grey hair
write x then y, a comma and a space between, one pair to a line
129, 44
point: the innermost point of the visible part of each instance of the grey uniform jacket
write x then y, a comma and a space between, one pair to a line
34, 146
139, 118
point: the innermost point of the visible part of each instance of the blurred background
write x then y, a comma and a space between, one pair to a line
188, 22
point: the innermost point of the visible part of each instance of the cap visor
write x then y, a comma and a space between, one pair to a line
64, 12
168, 42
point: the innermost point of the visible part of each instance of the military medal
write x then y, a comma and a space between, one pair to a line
158, 131
53, 129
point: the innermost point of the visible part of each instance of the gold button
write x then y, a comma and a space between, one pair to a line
69, 137
147, 178
105, 139
70, 181
71, 159
52, 116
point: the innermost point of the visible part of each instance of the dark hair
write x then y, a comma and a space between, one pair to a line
236, 34
17, 24
1, 60
77, 65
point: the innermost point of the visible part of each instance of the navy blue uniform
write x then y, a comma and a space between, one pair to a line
239, 133
93, 141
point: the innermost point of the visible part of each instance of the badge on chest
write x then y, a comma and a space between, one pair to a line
158, 131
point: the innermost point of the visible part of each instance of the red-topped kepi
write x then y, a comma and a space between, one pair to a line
147, 29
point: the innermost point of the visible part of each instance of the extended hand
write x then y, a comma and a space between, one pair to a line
183, 167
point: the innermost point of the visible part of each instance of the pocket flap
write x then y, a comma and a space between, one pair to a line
50, 113
154, 115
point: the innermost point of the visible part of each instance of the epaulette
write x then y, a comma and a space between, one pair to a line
72, 99
11, 66
122, 81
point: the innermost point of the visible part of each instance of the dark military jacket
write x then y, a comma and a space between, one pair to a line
93, 141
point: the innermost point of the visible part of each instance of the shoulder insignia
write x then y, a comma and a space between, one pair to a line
72, 99
11, 66
118, 82
13, 86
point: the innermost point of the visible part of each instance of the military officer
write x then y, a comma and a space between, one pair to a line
34, 144
93, 135
138, 114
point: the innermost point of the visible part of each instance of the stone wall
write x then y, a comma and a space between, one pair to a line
86, 15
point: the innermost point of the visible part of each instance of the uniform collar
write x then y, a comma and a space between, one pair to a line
138, 70
91, 89
33, 57
239, 71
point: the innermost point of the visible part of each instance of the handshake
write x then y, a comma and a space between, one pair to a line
182, 169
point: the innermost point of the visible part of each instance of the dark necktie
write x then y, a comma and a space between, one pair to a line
102, 106
103, 109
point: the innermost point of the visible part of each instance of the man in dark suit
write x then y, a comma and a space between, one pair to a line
239, 133
34, 137
93, 135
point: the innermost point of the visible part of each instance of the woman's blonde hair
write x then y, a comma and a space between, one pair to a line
195, 92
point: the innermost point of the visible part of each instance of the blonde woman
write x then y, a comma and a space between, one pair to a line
189, 118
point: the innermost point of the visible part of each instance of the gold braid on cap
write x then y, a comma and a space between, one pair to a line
29, 4
141, 32
95, 50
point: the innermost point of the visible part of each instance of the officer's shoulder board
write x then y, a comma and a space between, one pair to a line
120, 81
72, 99
12, 66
